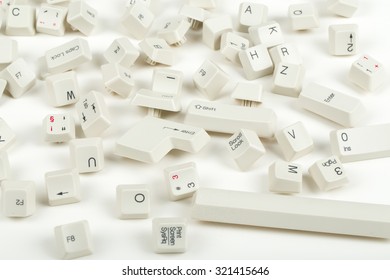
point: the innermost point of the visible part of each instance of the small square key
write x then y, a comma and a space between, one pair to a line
87, 154
303, 16
63, 89
157, 51
195, 16
344, 8
286, 53
4, 166
256, 62
368, 73
288, 79
121, 51
8, 50
51, 20
268, 34
250, 94
73, 240
58, 128
213, 28
174, 32
7, 136
343, 39
137, 20
328, 173
294, 141
82, 17
63, 187
232, 44
20, 20
182, 180
251, 14
117, 79
170, 235
285, 177
18, 198
133, 201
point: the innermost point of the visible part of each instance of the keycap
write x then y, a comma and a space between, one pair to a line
3, 85
225, 118
73, 240
245, 148
174, 32
256, 62
345, 8
251, 14
303, 16
294, 141
213, 28
367, 73
288, 79
8, 50
286, 53
204, 4
328, 173
121, 51
292, 212
93, 114
285, 177
143, 2
117, 79
169, 235
7, 136
19, 76
4, 166
86, 154
210, 79
232, 44
18, 198
361, 143
62, 187
151, 139
51, 20
137, 20
133, 201
267, 34
20, 20
58, 128
250, 94
66, 57
336, 106
82, 17
157, 51
195, 16
63, 89
343, 39
182, 180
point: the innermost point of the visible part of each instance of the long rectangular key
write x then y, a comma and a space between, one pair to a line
218, 117
333, 105
292, 212
361, 143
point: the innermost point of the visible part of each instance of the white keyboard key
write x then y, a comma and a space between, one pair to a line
170, 235
343, 39
58, 128
152, 138
295, 141
204, 4
333, 105
62, 187
288, 79
256, 62
87, 154
361, 143
4, 166
3, 85
143, 2
66, 57
286, 53
63, 89
73, 240
174, 32
93, 114
82, 17
267, 34
121, 51
51, 20
285, 177
232, 44
20, 20
345, 8
8, 50
245, 147
133, 201
292, 212
251, 14
250, 94
224, 118
137, 20
328, 173
117, 79
19, 76
157, 51
182, 180
7, 136
18, 198
303, 16
195, 16
367, 73
213, 28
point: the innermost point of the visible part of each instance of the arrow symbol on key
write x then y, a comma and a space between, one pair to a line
1, 140
174, 129
62, 193
350, 37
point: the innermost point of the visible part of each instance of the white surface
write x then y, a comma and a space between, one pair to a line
30, 157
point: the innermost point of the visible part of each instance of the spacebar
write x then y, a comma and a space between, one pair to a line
291, 212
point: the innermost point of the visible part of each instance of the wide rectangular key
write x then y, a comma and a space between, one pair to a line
219, 117
361, 143
292, 212
333, 105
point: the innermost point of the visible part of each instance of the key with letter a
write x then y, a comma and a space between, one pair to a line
361, 143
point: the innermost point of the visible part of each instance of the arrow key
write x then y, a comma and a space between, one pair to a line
63, 187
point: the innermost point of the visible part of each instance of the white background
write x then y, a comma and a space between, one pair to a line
31, 157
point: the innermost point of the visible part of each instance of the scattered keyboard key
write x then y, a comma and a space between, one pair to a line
303, 16
20, 20
157, 51
137, 20
182, 180
63, 89
63, 187
285, 53
288, 79
121, 51
87, 154
285, 177
4, 166
51, 20
345, 8
8, 50
58, 128
267, 34
18, 198
367, 73
7, 136
343, 39
195, 16
256, 62
117, 79
133, 201
250, 94
251, 14
232, 44
213, 28
174, 32
82, 17
170, 235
